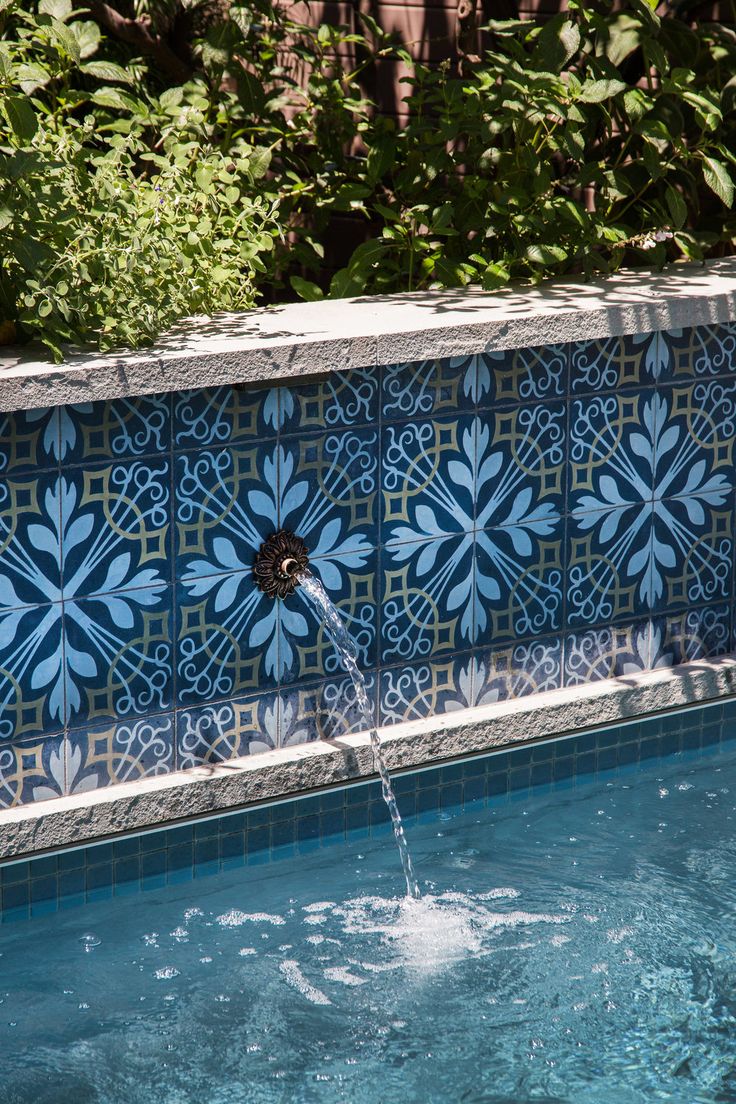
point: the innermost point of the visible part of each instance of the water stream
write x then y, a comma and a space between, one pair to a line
348, 654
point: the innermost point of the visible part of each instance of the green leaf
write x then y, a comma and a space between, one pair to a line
242, 18
600, 90
21, 117
106, 71
305, 289
557, 42
625, 33
676, 206
59, 9
32, 76
545, 254
718, 179
88, 37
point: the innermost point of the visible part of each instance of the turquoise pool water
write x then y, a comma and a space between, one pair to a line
576, 942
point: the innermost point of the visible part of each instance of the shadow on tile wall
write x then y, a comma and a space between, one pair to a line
489, 527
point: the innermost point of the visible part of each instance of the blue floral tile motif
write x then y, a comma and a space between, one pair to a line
116, 527
118, 654
424, 689
428, 387
31, 671
694, 634
29, 440
523, 375
427, 603
515, 671
30, 541
326, 711
340, 401
610, 566
106, 755
31, 770
692, 554
608, 652
227, 730
612, 446
519, 578
701, 351
115, 430
613, 362
520, 465
224, 415
429, 479
696, 429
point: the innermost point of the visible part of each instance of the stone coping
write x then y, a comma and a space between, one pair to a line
303, 339
308, 768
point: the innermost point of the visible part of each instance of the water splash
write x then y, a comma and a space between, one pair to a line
348, 654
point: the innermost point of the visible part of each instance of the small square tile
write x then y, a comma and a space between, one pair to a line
119, 654
694, 634
342, 400
224, 415
422, 689
125, 751
427, 387
523, 375
31, 770
610, 363
227, 730
427, 600
117, 429
607, 652
29, 440
428, 478
519, 580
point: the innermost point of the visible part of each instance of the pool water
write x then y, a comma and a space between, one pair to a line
573, 945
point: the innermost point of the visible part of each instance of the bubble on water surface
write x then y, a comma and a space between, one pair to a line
343, 975
247, 951
234, 918
296, 979
89, 941
166, 972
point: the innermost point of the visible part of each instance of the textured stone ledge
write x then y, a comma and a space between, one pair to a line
303, 339
288, 772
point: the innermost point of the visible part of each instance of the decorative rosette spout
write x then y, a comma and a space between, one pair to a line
279, 562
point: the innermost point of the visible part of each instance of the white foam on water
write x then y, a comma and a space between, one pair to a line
342, 974
166, 973
498, 894
318, 906
234, 918
247, 951
296, 979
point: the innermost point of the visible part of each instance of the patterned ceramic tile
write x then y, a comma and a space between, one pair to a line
32, 680
611, 564
340, 401
226, 504
428, 387
424, 689
694, 442
692, 553
607, 652
306, 650
695, 634
116, 527
523, 375
328, 486
124, 751
519, 583
612, 450
224, 415
513, 672
429, 478
326, 711
30, 544
427, 601
520, 465
703, 351
611, 363
116, 430
29, 440
118, 654
227, 730
31, 770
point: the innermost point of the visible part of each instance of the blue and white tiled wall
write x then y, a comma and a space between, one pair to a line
490, 526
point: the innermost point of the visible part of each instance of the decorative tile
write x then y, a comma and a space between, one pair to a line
328, 487
701, 351
29, 440
31, 671
428, 387
115, 430
118, 654
513, 672
226, 504
224, 415
519, 574
126, 751
342, 400
30, 544
611, 564
31, 770
423, 689
429, 478
610, 363
612, 450
523, 375
228, 637
694, 634
696, 428
692, 553
608, 652
520, 465
326, 711
427, 600
116, 527
306, 650
227, 730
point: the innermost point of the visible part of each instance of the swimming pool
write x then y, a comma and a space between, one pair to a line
575, 941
